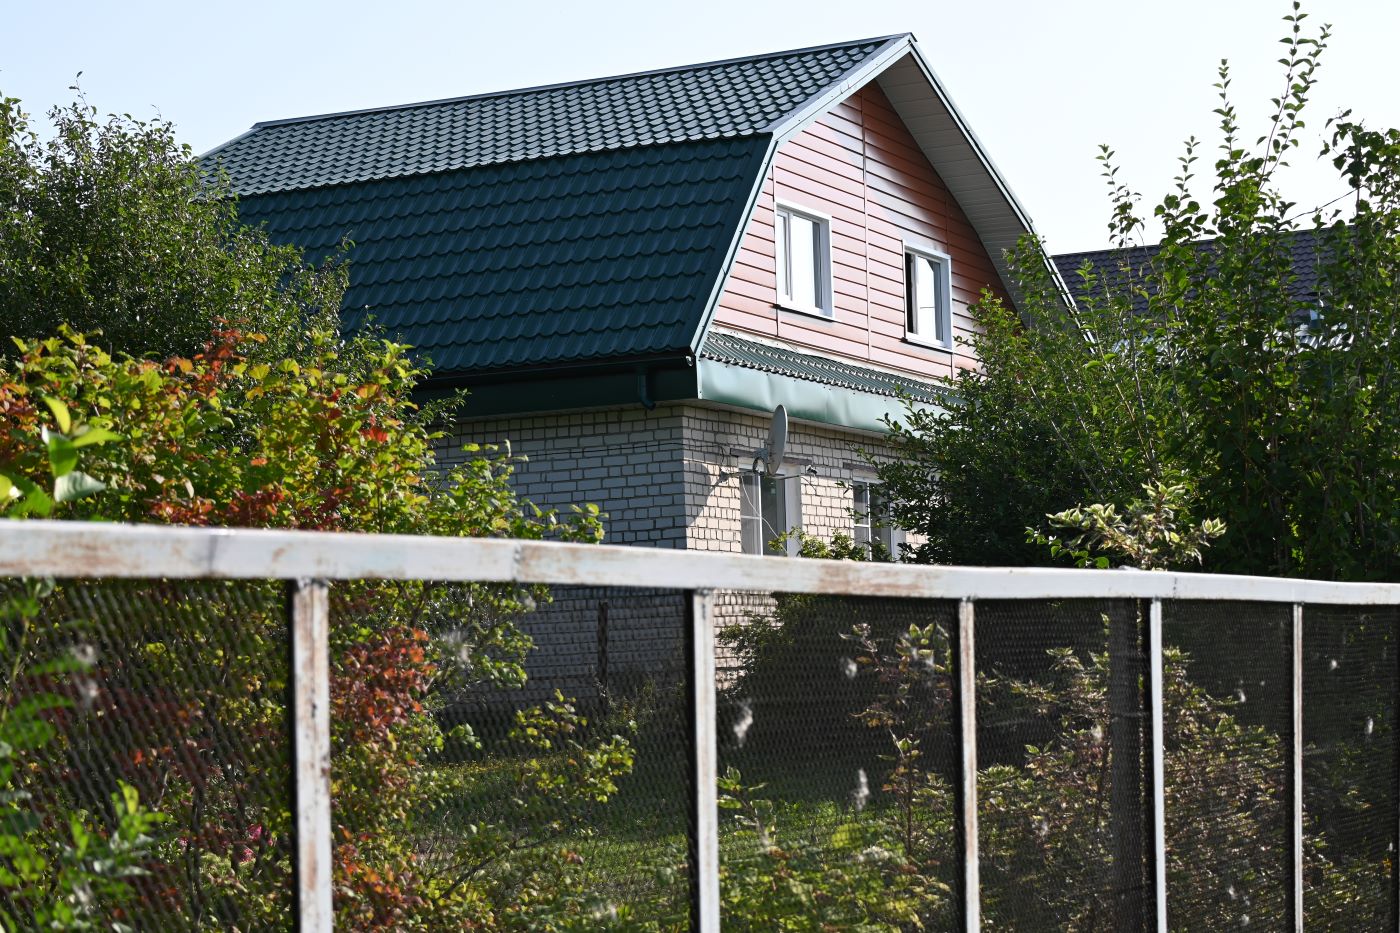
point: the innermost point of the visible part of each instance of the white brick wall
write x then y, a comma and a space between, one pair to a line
669, 477
666, 478
719, 443
627, 461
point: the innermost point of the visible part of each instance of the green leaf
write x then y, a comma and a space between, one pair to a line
90, 437
845, 836
63, 456
60, 413
76, 485
34, 500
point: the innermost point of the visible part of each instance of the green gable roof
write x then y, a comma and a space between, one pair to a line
716, 100
608, 255
560, 226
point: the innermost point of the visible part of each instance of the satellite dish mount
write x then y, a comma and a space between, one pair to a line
771, 455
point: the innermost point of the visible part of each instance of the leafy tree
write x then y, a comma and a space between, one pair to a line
112, 226
1204, 362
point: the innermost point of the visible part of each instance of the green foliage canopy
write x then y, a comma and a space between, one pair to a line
1205, 365
112, 226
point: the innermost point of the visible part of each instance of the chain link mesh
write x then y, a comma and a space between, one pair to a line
1060, 754
558, 791
525, 754
146, 755
837, 761
1227, 704
1350, 678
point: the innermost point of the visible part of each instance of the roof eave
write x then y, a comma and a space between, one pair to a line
995, 242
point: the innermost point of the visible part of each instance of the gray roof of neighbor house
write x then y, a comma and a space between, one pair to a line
577, 224
1113, 268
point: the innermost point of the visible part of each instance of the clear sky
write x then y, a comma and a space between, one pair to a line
1041, 83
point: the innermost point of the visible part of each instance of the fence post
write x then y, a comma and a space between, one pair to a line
1295, 773
308, 621
1157, 772
704, 753
1127, 667
965, 800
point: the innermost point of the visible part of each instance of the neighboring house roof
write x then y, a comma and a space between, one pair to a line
580, 224
1114, 268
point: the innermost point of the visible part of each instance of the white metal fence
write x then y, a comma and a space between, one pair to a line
313, 563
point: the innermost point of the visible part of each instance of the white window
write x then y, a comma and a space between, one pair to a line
803, 244
927, 297
872, 523
770, 507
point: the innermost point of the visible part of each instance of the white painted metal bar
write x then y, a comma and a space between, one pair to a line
309, 618
704, 872
1296, 781
1157, 762
80, 549
967, 730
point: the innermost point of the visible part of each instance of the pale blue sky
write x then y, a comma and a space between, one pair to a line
1041, 83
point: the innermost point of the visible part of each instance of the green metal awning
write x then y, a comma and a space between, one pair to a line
759, 376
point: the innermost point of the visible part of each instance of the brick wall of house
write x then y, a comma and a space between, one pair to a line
720, 443
626, 460
670, 477
666, 478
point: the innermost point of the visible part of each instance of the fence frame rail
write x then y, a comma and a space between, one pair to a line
309, 562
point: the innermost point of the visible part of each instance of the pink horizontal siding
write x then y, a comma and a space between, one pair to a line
859, 165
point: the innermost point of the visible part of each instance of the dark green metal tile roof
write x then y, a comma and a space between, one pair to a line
575, 259
697, 102
736, 351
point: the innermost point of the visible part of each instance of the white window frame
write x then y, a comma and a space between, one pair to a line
789, 491
885, 532
782, 213
943, 266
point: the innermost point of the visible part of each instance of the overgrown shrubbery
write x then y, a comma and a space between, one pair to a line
181, 700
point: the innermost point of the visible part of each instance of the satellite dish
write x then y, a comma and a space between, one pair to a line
772, 455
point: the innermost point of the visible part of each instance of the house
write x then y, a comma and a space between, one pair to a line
630, 273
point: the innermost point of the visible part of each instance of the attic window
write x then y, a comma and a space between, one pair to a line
927, 298
803, 248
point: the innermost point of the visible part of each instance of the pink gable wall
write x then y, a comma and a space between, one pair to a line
859, 165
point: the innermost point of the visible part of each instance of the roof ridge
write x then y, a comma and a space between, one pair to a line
1203, 241
510, 92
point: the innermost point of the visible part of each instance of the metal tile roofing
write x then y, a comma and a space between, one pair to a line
729, 348
553, 226
709, 101
584, 257
1114, 268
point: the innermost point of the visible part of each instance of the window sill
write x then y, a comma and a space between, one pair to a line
927, 344
805, 309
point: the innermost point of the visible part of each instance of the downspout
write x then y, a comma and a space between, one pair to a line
644, 388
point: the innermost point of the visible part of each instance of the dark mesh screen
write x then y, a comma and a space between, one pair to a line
1059, 758
145, 756
837, 762
559, 790
521, 758
1227, 700
1349, 767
